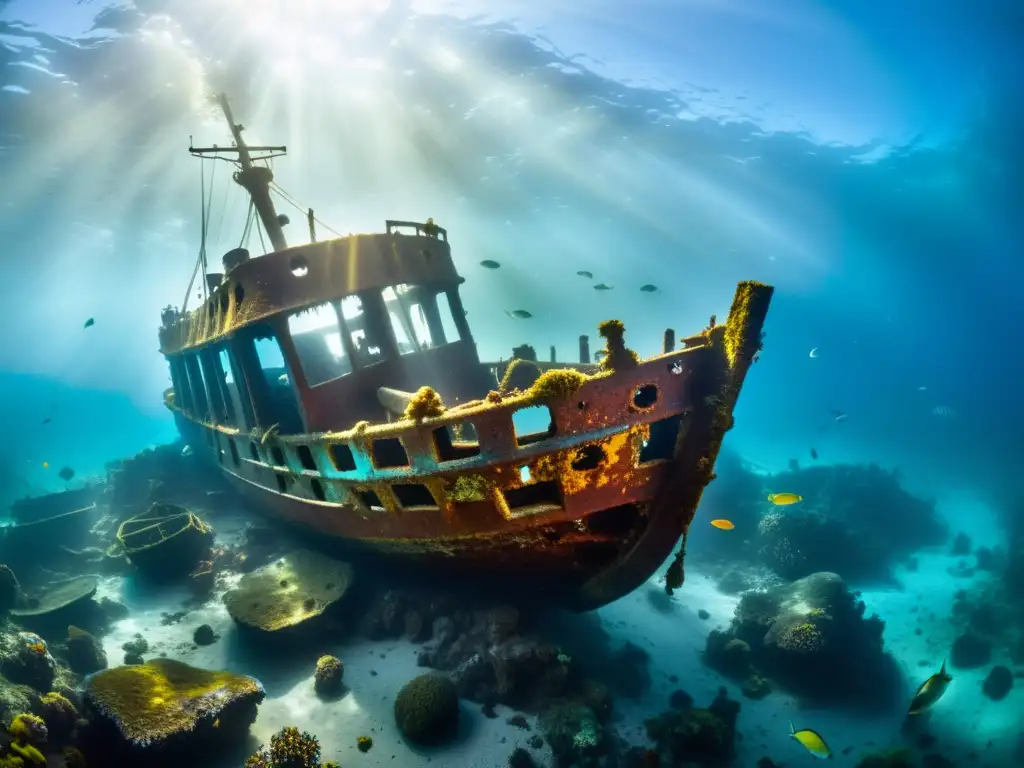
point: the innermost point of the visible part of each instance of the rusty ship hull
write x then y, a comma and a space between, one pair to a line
586, 511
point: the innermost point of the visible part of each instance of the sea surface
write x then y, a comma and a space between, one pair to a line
589, 160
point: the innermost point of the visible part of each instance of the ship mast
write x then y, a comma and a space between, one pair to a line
256, 179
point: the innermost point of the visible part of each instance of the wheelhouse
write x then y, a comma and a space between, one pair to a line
304, 338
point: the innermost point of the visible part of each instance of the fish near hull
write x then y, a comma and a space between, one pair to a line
582, 534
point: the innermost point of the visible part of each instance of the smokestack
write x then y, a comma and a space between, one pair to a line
669, 341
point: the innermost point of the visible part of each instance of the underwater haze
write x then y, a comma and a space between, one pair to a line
864, 158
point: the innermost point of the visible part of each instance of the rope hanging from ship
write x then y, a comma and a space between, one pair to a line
205, 200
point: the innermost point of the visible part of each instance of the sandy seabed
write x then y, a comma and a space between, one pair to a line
670, 631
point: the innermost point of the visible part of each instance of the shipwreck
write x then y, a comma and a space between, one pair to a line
338, 386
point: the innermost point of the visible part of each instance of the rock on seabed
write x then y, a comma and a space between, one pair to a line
164, 701
297, 587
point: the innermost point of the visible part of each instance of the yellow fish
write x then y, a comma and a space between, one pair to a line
784, 499
930, 691
46, 465
724, 525
811, 741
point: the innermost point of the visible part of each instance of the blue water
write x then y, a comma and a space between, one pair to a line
863, 158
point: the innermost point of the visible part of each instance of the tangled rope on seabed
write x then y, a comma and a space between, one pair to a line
675, 575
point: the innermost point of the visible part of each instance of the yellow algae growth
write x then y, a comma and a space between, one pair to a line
295, 588
468, 488
555, 384
425, 404
617, 357
609, 470
519, 375
154, 701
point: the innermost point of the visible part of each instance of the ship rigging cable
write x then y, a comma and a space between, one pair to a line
288, 199
204, 208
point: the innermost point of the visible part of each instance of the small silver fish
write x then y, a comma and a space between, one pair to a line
603, 287
648, 288
943, 411
814, 353
584, 273
518, 314
186, 451
489, 264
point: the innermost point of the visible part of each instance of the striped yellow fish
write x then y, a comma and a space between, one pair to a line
784, 499
930, 691
811, 741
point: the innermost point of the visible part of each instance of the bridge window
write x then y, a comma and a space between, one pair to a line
420, 320
365, 348
197, 386
237, 397
316, 334
446, 310
283, 406
219, 405
179, 377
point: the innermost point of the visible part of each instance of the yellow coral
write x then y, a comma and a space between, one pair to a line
557, 383
802, 637
152, 701
28, 752
59, 714
57, 700
25, 727
425, 404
